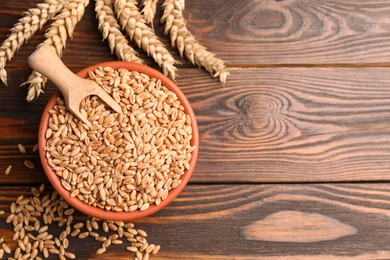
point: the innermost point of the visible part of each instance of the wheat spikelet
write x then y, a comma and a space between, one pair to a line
24, 29
110, 29
185, 42
135, 26
149, 10
57, 34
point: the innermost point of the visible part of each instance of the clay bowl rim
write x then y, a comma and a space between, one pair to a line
98, 212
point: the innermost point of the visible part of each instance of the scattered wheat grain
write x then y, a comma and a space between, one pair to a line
8, 170
138, 254
83, 235
29, 164
70, 255
131, 249
21, 148
101, 250
117, 242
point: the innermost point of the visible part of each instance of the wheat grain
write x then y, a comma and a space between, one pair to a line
135, 26
185, 42
149, 8
110, 29
35, 148
8, 170
70, 255
75, 233
57, 34
29, 164
142, 233
6, 248
117, 242
35, 192
21, 148
132, 249
78, 225
107, 243
83, 235
156, 249
46, 252
101, 238
54, 251
95, 224
34, 253
17, 253
138, 255
100, 250
105, 226
88, 225
24, 29
94, 234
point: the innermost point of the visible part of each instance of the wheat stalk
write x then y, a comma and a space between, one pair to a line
24, 29
185, 42
135, 26
149, 10
57, 34
110, 29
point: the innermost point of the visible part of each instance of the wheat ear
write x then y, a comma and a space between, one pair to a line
57, 34
109, 27
185, 42
135, 26
24, 29
149, 8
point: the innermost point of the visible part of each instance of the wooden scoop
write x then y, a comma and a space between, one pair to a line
73, 88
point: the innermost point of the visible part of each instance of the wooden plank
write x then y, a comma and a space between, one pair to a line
349, 221
292, 125
273, 32
267, 125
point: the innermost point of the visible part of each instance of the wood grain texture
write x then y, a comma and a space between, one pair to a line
208, 221
267, 125
307, 101
293, 124
293, 31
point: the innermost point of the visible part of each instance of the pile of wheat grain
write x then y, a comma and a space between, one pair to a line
123, 162
32, 219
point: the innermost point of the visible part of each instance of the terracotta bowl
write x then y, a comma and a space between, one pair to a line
98, 212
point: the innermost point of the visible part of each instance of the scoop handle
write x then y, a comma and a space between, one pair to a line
46, 61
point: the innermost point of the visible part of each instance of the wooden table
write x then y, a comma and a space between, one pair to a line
295, 151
